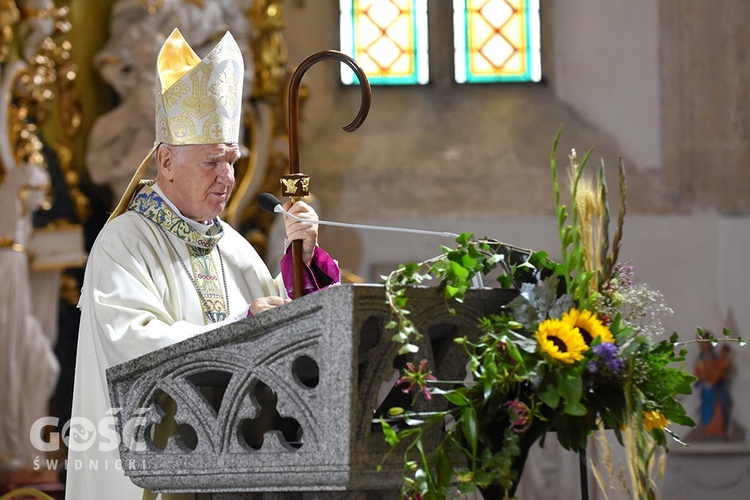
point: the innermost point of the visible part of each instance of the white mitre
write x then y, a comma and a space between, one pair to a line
197, 101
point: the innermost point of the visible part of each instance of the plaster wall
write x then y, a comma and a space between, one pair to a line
607, 68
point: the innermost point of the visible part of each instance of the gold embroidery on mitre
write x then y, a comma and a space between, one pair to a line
223, 90
176, 92
199, 104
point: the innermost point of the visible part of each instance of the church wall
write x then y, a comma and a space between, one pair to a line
706, 105
607, 68
309, 31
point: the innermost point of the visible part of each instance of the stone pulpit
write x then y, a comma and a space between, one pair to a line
286, 401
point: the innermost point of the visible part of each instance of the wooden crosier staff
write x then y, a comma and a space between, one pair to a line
296, 185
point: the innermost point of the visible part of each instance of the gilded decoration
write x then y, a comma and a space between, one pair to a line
38, 78
202, 116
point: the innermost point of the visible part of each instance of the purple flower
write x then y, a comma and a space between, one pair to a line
625, 274
607, 354
605, 366
606, 359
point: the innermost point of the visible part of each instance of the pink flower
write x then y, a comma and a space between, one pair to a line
416, 379
520, 416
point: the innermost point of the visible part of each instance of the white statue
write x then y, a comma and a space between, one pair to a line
28, 365
121, 138
30, 87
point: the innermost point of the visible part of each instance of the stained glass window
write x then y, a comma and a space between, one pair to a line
388, 38
496, 41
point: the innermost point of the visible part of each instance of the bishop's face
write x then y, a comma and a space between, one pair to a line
199, 178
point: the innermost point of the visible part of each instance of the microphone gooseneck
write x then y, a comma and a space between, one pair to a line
269, 203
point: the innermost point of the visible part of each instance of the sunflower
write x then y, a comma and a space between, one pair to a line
589, 325
561, 341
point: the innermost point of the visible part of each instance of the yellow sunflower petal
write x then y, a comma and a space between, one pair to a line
560, 341
589, 325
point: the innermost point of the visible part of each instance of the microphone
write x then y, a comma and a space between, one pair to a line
269, 203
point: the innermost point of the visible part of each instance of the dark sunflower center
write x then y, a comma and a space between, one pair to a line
562, 346
587, 337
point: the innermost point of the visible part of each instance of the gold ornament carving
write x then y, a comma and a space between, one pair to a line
42, 84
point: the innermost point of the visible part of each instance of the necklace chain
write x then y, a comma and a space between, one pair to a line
192, 280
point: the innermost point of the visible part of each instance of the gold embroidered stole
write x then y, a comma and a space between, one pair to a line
208, 284
205, 276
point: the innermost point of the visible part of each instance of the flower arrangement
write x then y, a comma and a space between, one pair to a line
580, 348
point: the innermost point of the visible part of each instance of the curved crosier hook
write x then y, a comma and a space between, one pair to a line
295, 185
294, 86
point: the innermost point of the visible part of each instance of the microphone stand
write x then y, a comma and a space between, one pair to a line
269, 203
296, 185
445, 234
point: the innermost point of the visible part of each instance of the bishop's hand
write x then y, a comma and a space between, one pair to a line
306, 231
266, 303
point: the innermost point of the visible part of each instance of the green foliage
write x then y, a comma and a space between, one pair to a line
532, 369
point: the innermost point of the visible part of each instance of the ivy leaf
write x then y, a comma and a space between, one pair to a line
465, 239
459, 271
468, 262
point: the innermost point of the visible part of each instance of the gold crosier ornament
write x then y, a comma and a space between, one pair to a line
296, 185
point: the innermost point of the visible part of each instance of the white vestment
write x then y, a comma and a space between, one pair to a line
137, 298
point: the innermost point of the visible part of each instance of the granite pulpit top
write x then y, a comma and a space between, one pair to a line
283, 401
